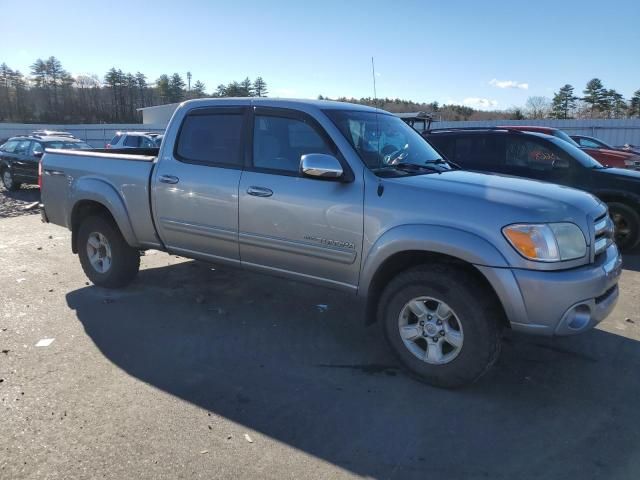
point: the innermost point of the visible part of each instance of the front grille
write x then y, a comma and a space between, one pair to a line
603, 227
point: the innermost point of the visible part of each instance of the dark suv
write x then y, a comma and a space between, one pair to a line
544, 157
19, 157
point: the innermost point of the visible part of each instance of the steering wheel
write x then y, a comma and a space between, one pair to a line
393, 154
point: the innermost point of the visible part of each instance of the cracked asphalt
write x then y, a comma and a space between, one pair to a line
201, 372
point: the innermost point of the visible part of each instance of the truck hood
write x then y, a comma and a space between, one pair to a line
622, 174
521, 199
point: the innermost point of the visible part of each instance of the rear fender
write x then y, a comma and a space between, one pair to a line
102, 192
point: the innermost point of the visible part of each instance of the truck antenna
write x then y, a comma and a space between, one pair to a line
373, 73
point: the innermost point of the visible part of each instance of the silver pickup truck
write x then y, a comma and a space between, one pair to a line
352, 198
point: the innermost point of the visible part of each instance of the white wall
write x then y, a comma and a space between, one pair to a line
96, 135
614, 132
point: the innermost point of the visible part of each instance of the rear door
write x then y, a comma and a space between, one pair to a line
21, 164
32, 160
295, 225
532, 157
477, 151
195, 186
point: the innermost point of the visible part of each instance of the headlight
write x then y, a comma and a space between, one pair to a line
553, 242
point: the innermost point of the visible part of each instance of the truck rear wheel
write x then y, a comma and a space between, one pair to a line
442, 326
105, 256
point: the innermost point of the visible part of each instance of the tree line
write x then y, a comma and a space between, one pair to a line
597, 101
50, 94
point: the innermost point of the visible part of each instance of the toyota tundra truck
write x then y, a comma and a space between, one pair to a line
347, 197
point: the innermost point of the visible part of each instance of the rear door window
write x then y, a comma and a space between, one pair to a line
23, 147
479, 152
132, 141
211, 139
36, 148
531, 155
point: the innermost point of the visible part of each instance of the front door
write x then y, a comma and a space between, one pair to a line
195, 186
298, 226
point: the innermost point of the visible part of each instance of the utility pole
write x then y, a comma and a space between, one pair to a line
188, 81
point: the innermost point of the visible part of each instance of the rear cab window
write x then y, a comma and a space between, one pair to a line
211, 138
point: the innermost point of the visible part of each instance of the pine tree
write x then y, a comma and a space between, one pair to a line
176, 88
221, 91
564, 101
198, 90
246, 88
594, 95
260, 87
634, 104
162, 86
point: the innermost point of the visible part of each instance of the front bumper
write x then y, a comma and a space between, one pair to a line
558, 302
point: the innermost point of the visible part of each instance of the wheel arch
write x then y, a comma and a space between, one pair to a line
393, 253
94, 196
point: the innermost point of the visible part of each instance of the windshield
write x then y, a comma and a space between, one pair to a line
68, 145
565, 137
384, 141
577, 153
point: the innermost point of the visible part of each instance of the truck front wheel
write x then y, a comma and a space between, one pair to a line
105, 256
442, 325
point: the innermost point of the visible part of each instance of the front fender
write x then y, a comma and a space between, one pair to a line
456, 243
102, 192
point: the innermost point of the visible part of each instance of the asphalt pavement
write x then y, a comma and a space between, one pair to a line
196, 371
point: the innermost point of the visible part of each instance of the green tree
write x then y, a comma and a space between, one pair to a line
221, 91
141, 83
198, 90
634, 104
162, 87
564, 101
594, 96
616, 107
234, 89
176, 88
260, 87
246, 88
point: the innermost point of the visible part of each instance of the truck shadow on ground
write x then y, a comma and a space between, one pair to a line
631, 261
293, 362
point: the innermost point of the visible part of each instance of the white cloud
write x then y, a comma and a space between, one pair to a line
480, 103
508, 84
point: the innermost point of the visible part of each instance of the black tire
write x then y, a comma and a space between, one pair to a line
476, 309
8, 180
625, 217
125, 260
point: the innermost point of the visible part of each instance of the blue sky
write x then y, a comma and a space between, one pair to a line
492, 53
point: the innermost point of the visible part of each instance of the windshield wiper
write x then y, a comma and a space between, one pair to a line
441, 161
415, 167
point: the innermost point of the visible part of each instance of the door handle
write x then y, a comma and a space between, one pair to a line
259, 191
48, 171
169, 179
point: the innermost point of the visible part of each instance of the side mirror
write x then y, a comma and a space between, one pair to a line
320, 165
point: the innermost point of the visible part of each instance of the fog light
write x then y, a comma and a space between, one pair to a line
579, 317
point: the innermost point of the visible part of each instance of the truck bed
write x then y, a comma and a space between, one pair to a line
124, 175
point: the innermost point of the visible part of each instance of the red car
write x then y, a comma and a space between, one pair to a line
611, 158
